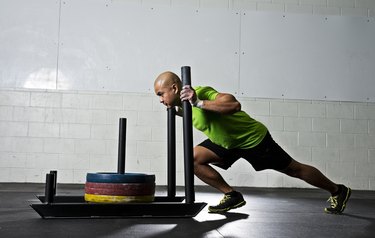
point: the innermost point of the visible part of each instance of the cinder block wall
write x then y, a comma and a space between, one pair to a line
76, 132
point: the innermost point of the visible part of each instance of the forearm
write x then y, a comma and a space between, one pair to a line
223, 103
221, 107
213, 106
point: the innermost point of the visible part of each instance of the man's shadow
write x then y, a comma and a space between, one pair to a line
169, 227
193, 228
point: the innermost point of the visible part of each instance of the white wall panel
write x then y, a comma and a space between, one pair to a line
307, 57
28, 43
120, 48
114, 46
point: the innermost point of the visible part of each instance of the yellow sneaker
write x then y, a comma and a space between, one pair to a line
227, 203
338, 202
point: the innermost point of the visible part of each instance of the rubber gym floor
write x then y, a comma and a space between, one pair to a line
269, 212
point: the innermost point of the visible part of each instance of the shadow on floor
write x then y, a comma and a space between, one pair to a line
200, 229
369, 230
145, 227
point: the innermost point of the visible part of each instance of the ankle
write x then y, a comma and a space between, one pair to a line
232, 193
338, 190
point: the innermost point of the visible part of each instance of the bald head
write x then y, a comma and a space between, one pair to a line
167, 79
167, 87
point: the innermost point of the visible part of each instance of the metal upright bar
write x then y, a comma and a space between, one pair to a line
49, 193
171, 147
54, 172
121, 146
188, 140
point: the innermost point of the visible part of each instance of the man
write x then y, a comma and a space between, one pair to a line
233, 134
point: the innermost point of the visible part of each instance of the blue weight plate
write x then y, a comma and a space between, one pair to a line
120, 178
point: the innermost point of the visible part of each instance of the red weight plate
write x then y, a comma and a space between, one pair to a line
120, 189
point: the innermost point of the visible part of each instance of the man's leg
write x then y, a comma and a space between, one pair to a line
202, 169
339, 193
311, 175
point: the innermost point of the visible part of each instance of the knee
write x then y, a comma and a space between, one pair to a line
294, 170
198, 158
198, 164
202, 157
291, 172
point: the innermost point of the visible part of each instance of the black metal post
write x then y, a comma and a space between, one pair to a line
121, 146
54, 172
49, 196
171, 133
188, 140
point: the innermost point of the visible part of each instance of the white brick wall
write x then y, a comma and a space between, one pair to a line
76, 132
35, 137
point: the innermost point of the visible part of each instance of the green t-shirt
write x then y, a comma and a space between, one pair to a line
236, 130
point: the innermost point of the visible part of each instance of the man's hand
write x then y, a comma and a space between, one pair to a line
188, 93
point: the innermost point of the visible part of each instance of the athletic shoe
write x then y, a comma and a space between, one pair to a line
230, 201
338, 202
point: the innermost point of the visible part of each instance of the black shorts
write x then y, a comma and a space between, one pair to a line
266, 155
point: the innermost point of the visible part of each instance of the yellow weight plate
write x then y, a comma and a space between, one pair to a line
117, 199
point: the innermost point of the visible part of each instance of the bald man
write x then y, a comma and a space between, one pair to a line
233, 134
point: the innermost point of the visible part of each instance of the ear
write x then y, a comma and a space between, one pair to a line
175, 88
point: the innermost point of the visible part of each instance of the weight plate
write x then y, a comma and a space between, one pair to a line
120, 189
117, 199
120, 178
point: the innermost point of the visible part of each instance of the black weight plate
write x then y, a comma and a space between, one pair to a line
120, 178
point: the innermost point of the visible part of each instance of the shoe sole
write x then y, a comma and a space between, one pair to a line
227, 209
343, 204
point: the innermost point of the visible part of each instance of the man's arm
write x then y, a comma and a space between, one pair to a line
224, 103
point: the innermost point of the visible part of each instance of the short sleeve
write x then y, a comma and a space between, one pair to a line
206, 93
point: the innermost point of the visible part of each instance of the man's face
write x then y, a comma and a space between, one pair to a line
168, 94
